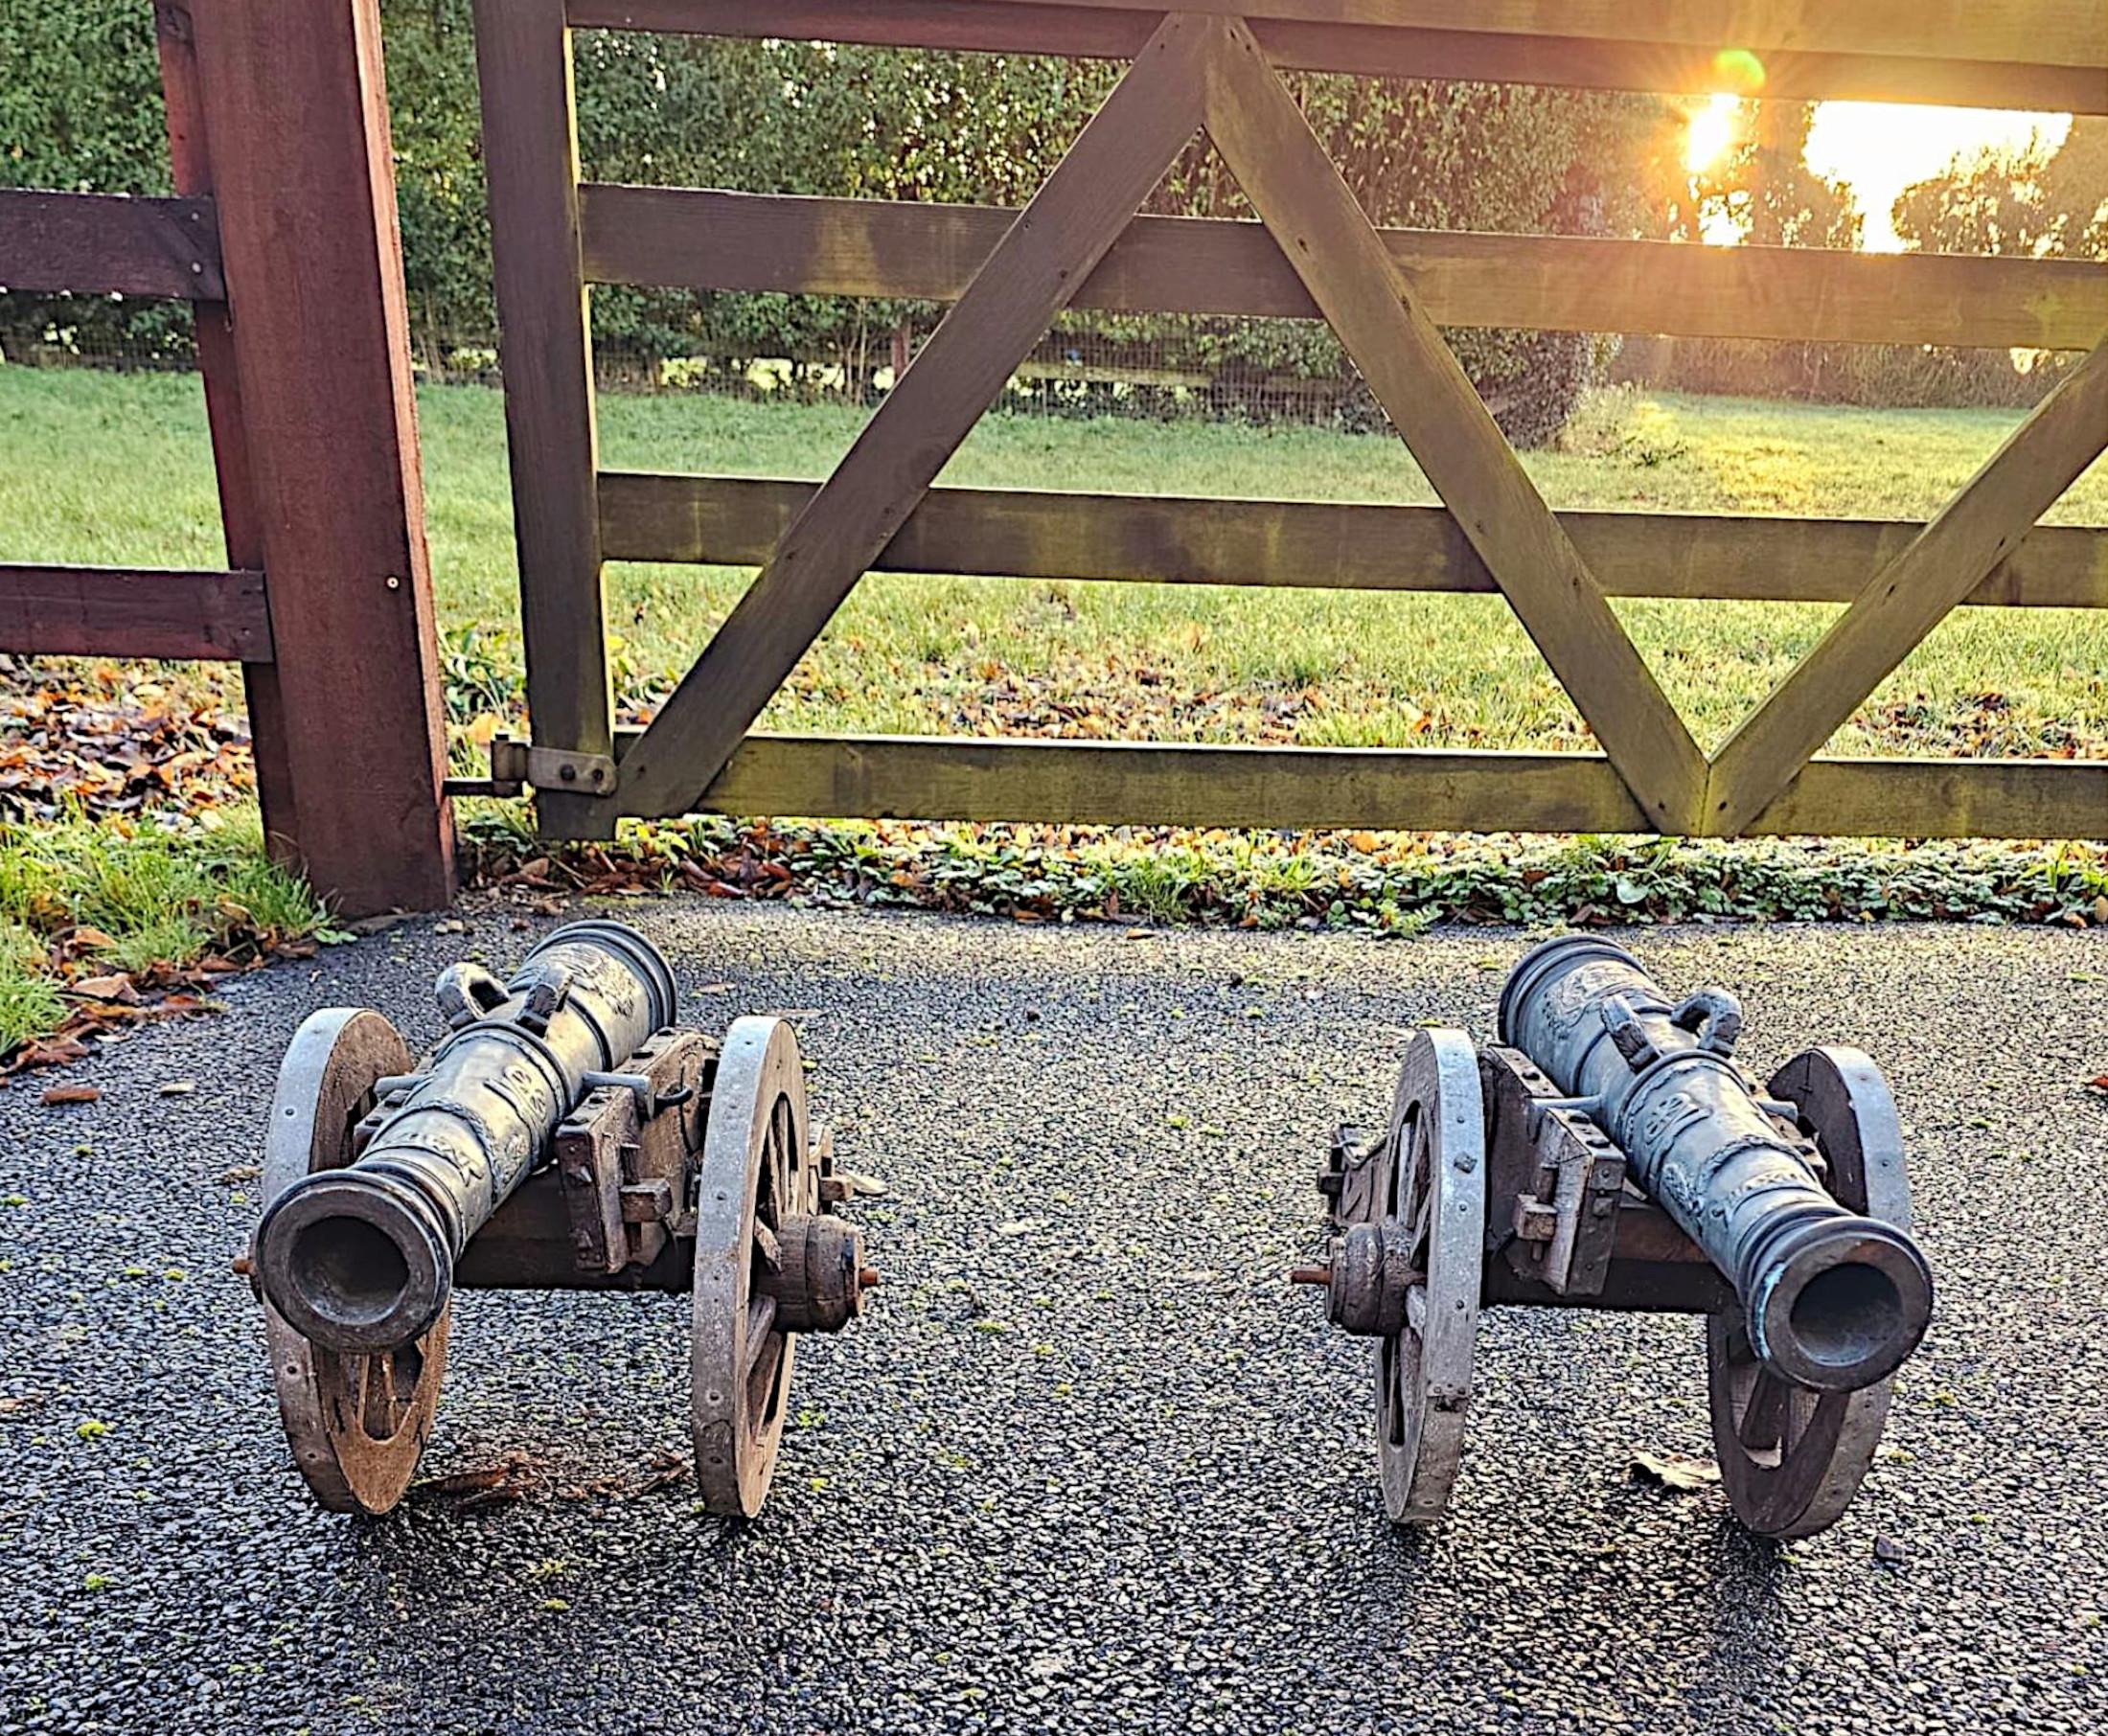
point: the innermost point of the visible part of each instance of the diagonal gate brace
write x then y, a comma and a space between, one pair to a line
1326, 236
1033, 271
1910, 596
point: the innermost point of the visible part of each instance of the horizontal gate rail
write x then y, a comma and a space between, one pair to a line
2062, 33
1353, 788
97, 611
693, 238
1320, 545
1976, 55
95, 243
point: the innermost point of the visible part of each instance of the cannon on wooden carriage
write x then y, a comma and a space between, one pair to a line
566, 1134
1610, 1153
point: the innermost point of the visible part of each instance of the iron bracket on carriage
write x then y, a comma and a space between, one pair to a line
566, 1134
1610, 1153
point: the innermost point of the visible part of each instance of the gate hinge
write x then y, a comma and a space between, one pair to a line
516, 766
516, 762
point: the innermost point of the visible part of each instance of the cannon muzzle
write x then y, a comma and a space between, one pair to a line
1831, 1300
362, 1258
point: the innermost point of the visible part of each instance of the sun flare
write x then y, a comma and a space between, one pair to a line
1711, 131
1879, 149
1875, 149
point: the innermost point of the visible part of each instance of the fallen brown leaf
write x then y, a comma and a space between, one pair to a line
52, 1052
1675, 1470
511, 1479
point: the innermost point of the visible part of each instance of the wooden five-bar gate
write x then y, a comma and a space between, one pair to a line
1216, 68
284, 237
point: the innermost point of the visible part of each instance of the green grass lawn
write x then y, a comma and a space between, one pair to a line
106, 469
109, 468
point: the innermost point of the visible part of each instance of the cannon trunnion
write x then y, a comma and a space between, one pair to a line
566, 1135
1610, 1153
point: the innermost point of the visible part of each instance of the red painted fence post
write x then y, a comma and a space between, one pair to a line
295, 116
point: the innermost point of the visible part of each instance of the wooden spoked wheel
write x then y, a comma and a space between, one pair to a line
1432, 1180
755, 1172
1791, 1458
356, 1422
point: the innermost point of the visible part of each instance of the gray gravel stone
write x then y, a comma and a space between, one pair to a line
1089, 1463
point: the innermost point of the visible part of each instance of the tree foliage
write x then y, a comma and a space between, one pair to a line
1760, 184
79, 107
80, 112
2036, 203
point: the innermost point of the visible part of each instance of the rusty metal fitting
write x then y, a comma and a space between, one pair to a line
819, 1277
1371, 1275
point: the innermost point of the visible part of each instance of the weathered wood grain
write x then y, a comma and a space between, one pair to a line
1568, 57
704, 240
1182, 784
1320, 545
99, 244
295, 109
530, 154
240, 513
97, 611
2049, 32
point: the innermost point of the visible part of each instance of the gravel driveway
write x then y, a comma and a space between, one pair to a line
1089, 1463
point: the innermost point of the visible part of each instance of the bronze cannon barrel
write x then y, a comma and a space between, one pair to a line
1832, 1300
362, 1258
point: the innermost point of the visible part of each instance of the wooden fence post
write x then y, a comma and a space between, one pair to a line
348, 717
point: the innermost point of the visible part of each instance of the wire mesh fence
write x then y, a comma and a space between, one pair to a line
1160, 367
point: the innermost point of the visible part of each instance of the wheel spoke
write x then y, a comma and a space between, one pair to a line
761, 1322
1399, 1159
1762, 1429
377, 1395
764, 1357
1423, 1226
